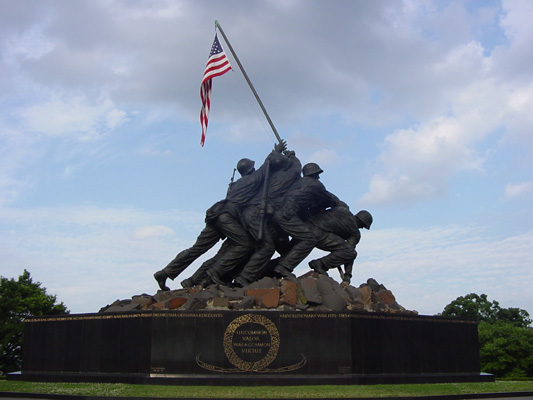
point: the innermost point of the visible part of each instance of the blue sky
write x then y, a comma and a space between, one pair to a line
418, 111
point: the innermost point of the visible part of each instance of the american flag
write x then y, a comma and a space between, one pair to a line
217, 64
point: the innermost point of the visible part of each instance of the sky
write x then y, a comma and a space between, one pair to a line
417, 111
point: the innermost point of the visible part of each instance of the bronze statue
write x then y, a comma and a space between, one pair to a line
268, 210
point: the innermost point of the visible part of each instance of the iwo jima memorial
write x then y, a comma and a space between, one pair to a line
243, 317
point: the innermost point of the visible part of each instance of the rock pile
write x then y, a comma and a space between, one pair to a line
310, 292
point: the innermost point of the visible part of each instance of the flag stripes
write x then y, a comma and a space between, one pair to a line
217, 64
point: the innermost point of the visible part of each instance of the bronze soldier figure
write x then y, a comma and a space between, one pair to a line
338, 232
285, 170
305, 197
223, 221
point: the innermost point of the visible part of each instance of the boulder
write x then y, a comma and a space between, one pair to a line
361, 295
265, 298
309, 292
383, 296
145, 300
289, 293
246, 303
220, 302
176, 302
334, 302
232, 293
195, 303
264, 283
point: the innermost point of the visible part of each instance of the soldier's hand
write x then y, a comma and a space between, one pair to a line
282, 146
346, 279
289, 153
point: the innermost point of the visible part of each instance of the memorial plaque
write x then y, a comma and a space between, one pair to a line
250, 348
251, 343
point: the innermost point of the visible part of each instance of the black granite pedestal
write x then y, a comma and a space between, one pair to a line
250, 348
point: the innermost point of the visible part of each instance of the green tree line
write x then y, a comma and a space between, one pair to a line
505, 335
20, 299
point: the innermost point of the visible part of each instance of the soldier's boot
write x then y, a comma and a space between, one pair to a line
161, 278
317, 266
283, 271
187, 283
215, 277
240, 282
206, 282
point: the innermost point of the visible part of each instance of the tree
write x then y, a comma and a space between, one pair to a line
514, 316
478, 307
505, 335
506, 350
20, 299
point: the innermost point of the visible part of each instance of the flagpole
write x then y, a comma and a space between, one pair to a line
217, 25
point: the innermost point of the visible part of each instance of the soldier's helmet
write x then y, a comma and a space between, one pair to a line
311, 169
365, 217
245, 166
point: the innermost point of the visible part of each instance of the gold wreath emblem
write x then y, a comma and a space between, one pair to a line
272, 353
253, 366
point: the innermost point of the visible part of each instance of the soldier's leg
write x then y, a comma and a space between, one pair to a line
233, 230
258, 261
304, 242
205, 241
252, 219
200, 277
242, 246
340, 251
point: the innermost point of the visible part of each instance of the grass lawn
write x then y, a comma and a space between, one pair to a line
126, 390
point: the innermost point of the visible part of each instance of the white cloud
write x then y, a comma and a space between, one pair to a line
464, 60
116, 118
324, 157
515, 190
161, 10
418, 162
73, 116
513, 58
147, 232
29, 45
15, 151
516, 22
519, 118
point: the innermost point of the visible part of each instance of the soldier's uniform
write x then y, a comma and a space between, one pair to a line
280, 180
338, 234
223, 222
306, 196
